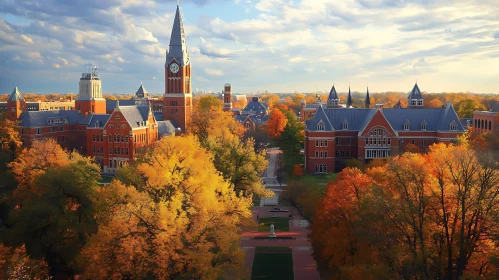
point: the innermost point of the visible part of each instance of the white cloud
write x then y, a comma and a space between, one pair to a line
214, 72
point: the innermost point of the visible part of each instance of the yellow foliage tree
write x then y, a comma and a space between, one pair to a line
171, 216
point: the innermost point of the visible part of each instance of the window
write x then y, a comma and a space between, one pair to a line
62, 128
51, 129
22, 130
406, 125
316, 168
38, 131
110, 151
321, 143
423, 125
453, 126
122, 139
126, 139
325, 154
490, 125
114, 138
248, 125
325, 143
109, 138
377, 137
321, 126
93, 138
126, 151
420, 102
316, 154
317, 143
345, 125
422, 142
413, 141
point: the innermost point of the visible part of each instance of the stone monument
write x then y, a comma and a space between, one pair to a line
272, 233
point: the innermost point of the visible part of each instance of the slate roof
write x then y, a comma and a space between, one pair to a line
15, 96
466, 122
42, 118
398, 105
178, 47
135, 114
111, 104
415, 93
158, 116
166, 128
357, 118
256, 107
332, 94
141, 92
254, 118
101, 119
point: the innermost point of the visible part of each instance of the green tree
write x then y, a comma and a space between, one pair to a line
465, 108
56, 221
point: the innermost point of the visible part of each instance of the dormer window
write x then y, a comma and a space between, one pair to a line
424, 125
453, 126
345, 125
406, 125
321, 126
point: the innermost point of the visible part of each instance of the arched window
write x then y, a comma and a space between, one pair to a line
345, 125
378, 137
490, 125
321, 126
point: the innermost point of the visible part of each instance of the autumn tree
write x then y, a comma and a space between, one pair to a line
276, 123
57, 218
235, 158
34, 161
169, 216
16, 264
465, 108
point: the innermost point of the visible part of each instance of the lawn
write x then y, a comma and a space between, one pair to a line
272, 263
280, 223
106, 179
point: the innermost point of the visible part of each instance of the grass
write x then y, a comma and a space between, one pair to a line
106, 179
280, 224
272, 263
256, 200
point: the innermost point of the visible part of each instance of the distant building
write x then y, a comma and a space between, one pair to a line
334, 135
486, 121
255, 107
113, 131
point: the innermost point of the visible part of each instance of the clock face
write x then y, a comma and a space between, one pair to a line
174, 68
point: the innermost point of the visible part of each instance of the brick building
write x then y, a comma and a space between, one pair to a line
335, 134
111, 132
487, 122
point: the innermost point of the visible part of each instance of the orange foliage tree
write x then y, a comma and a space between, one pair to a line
16, 264
427, 216
170, 216
276, 123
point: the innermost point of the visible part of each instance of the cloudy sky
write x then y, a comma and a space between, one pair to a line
256, 45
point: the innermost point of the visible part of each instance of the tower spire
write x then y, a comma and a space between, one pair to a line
178, 46
349, 98
367, 102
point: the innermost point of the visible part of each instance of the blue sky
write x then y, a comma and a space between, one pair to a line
256, 45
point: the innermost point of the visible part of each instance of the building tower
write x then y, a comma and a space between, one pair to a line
177, 101
227, 97
15, 105
349, 98
367, 102
90, 99
332, 100
415, 98
141, 92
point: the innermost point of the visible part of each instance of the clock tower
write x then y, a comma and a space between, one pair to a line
177, 101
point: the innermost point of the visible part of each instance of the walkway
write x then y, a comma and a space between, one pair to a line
304, 265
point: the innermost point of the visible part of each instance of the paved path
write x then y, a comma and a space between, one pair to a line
304, 265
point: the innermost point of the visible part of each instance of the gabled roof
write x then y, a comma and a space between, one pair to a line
52, 118
320, 116
349, 98
358, 118
256, 107
101, 119
178, 46
415, 93
135, 114
166, 128
449, 115
16, 96
398, 105
332, 94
